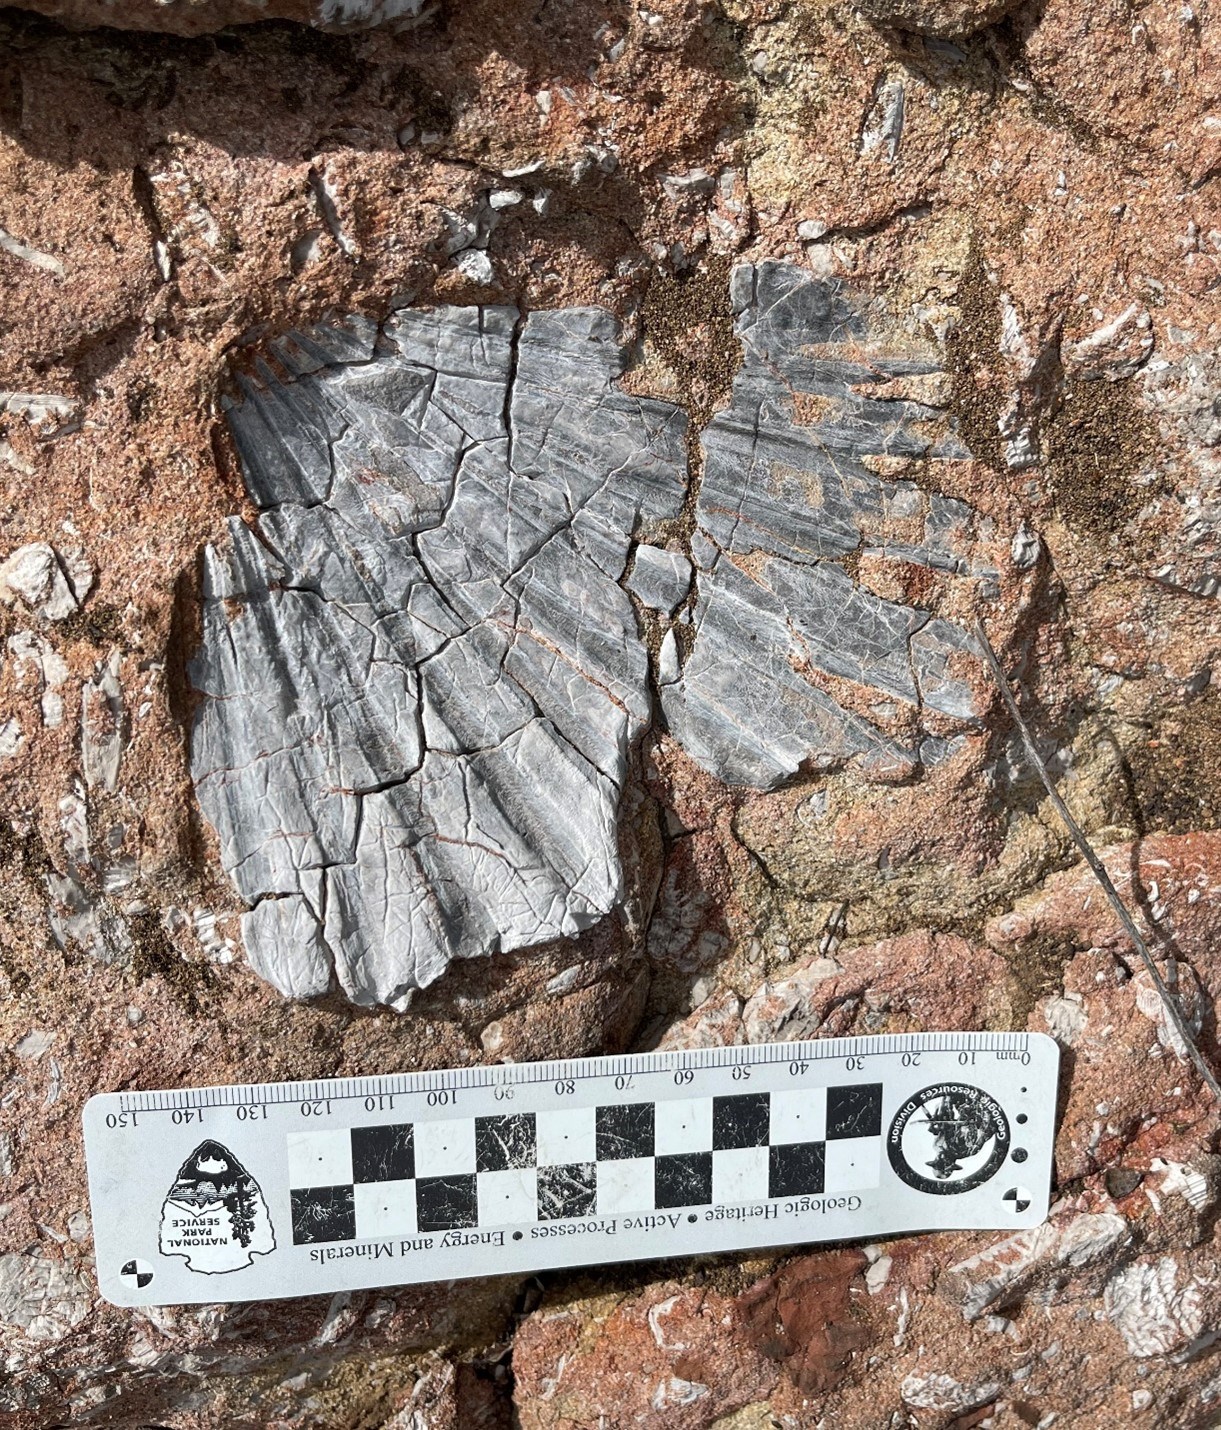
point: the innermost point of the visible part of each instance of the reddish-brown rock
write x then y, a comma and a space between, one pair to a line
687, 1356
1035, 199
1132, 1096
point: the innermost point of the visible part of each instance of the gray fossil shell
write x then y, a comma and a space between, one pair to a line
422, 673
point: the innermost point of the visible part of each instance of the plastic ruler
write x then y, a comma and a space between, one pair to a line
288, 1189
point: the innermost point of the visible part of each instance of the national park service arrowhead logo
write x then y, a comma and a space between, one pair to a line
215, 1215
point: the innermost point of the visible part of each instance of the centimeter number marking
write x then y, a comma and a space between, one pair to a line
1012, 1045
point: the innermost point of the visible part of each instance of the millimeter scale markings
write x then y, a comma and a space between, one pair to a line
259, 1191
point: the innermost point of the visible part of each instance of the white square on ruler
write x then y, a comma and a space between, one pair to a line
444, 1149
853, 1164
319, 1159
506, 1197
740, 1174
566, 1135
626, 1186
798, 1115
683, 1126
384, 1209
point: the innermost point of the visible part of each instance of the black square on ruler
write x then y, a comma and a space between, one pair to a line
567, 1191
625, 1131
443, 1203
683, 1180
504, 1143
796, 1170
323, 1214
383, 1154
740, 1121
854, 1111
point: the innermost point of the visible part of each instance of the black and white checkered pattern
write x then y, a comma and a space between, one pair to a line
401, 1179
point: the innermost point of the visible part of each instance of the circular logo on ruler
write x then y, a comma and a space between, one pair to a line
948, 1138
